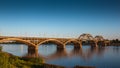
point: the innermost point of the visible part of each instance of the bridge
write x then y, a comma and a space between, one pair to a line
34, 42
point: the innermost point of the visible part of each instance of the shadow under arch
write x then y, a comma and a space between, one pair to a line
59, 44
77, 44
28, 43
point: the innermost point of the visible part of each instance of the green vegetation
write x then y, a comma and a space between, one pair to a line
0, 48
10, 61
115, 41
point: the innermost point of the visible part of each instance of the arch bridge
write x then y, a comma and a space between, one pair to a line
34, 42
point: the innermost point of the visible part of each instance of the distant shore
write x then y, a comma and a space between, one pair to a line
115, 44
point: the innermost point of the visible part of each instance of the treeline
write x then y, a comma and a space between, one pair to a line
115, 41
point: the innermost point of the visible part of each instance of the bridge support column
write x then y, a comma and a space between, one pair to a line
94, 44
106, 43
77, 46
60, 47
33, 51
61, 51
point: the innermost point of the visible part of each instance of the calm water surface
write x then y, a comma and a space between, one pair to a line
103, 57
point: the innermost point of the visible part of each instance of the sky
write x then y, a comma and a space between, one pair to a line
60, 18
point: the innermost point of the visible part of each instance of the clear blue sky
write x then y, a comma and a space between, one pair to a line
60, 18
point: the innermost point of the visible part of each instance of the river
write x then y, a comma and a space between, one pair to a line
102, 57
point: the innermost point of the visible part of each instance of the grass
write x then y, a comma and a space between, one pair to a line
11, 61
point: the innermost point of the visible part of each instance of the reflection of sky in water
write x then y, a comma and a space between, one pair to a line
105, 57
69, 48
15, 49
47, 49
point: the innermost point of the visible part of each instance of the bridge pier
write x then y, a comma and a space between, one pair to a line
61, 51
77, 46
33, 51
94, 44
60, 47
106, 43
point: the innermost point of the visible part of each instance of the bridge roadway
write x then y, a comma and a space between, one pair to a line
34, 42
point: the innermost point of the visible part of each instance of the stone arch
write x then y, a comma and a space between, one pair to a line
18, 40
76, 43
54, 41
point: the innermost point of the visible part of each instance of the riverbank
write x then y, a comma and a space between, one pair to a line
10, 61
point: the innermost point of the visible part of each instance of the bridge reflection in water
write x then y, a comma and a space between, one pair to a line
59, 53
101, 57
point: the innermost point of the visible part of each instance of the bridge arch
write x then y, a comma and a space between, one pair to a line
99, 38
28, 43
88, 38
54, 41
76, 43
85, 37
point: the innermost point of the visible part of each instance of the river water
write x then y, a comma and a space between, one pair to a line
102, 57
